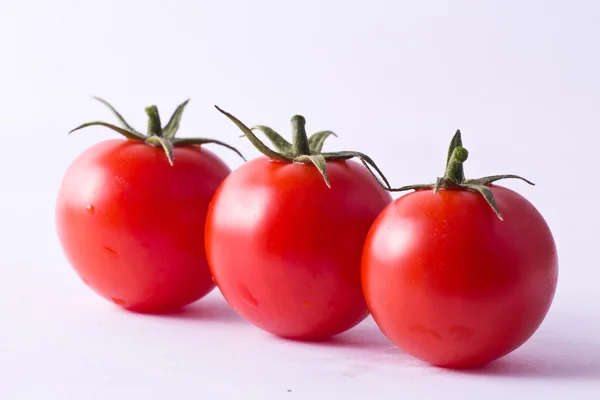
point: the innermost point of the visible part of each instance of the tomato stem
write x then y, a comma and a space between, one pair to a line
154, 125
454, 168
303, 149
299, 138
157, 136
454, 177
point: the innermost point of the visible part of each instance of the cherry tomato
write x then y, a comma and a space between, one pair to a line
450, 282
285, 248
132, 225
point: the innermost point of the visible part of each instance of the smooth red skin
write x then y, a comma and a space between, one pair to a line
132, 226
285, 249
451, 284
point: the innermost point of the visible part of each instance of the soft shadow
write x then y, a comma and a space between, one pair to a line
565, 347
365, 336
212, 308
363, 347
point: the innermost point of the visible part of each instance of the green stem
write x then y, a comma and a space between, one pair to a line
299, 138
454, 177
454, 169
157, 136
154, 125
302, 149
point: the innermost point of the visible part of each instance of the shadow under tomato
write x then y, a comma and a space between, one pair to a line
211, 308
365, 336
566, 348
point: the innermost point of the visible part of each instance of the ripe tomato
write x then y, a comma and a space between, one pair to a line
448, 281
132, 225
284, 248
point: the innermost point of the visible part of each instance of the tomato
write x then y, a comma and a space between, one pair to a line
450, 282
284, 248
132, 225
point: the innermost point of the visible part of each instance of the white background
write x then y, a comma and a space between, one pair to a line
393, 78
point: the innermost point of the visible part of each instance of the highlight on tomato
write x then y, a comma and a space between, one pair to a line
461, 272
130, 214
285, 231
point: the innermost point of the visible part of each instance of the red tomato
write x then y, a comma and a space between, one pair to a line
285, 249
132, 225
452, 284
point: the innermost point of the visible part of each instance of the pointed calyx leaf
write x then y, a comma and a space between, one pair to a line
157, 135
487, 194
278, 141
124, 123
190, 141
319, 161
170, 130
317, 140
128, 134
454, 177
486, 180
365, 159
260, 146
303, 149
166, 144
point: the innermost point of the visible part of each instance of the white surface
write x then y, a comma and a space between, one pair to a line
393, 79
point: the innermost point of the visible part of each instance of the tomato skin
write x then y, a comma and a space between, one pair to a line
285, 249
132, 226
451, 284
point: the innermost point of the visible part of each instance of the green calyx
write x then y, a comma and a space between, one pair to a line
454, 176
157, 135
303, 149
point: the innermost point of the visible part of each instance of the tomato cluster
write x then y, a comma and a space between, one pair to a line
305, 244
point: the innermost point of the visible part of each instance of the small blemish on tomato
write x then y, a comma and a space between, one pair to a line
85, 281
91, 209
246, 295
110, 251
421, 330
306, 304
119, 302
